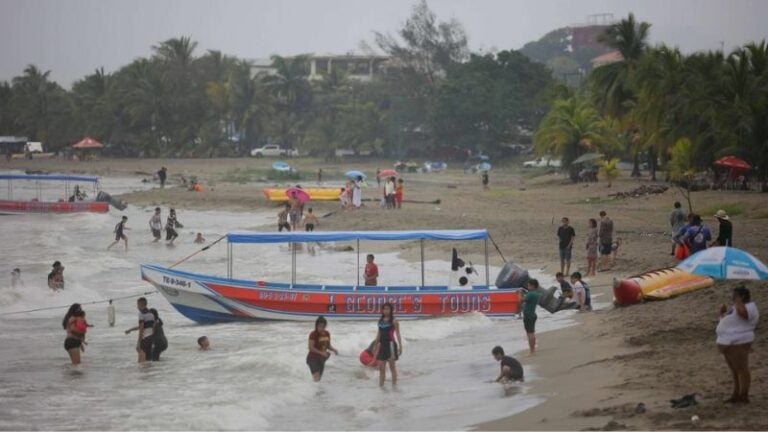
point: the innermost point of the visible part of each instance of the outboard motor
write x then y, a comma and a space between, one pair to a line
114, 202
512, 276
552, 303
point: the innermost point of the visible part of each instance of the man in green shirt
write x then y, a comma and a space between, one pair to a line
530, 301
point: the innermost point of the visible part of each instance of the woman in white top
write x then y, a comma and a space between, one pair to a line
735, 334
357, 193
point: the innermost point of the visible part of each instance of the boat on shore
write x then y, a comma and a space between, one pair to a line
73, 200
315, 194
210, 299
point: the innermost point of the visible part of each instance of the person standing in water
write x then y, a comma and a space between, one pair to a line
310, 220
320, 348
162, 175
530, 302
156, 225
16, 278
120, 229
73, 343
159, 342
170, 227
388, 344
145, 328
371, 271
56, 277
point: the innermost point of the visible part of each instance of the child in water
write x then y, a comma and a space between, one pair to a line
120, 229
16, 278
199, 239
371, 271
203, 343
310, 220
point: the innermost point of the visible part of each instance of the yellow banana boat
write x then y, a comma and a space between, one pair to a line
315, 194
657, 285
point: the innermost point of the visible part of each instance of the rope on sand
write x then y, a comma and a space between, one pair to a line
89, 303
201, 250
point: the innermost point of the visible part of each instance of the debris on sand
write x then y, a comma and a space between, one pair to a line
641, 191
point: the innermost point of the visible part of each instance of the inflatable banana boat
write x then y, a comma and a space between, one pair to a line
315, 194
657, 285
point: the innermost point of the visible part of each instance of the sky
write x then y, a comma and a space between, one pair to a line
74, 37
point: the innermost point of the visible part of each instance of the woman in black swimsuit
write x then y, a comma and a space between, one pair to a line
160, 342
387, 350
73, 344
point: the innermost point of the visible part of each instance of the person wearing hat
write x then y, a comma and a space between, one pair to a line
56, 277
725, 231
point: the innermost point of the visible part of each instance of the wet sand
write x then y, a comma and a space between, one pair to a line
593, 374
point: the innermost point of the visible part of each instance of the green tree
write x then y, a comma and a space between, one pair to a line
571, 128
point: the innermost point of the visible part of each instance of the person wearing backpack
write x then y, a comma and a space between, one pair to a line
697, 236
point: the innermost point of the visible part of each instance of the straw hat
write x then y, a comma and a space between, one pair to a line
721, 214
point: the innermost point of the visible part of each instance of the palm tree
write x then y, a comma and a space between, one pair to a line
612, 83
39, 105
292, 92
571, 128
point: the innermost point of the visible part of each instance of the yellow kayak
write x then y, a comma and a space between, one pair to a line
316, 194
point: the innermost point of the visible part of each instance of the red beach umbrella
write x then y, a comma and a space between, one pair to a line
300, 194
388, 173
734, 163
88, 143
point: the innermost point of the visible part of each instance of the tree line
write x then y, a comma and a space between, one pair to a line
659, 105
432, 94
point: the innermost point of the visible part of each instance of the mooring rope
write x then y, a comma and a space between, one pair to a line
201, 250
88, 303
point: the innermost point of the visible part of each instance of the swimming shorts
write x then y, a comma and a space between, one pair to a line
71, 343
606, 248
310, 227
565, 253
156, 233
529, 322
316, 364
285, 225
119, 236
146, 345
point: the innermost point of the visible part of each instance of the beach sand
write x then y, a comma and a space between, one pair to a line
593, 374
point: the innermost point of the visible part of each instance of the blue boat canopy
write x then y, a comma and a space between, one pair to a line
44, 177
328, 236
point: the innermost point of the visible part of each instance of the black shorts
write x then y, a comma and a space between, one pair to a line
156, 233
170, 234
529, 322
310, 227
606, 248
285, 225
72, 343
316, 364
146, 345
119, 237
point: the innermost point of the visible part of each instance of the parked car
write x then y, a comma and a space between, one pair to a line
273, 150
542, 162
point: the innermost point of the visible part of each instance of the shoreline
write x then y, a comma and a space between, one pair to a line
593, 373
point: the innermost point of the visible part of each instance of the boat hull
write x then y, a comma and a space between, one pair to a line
24, 207
657, 285
207, 299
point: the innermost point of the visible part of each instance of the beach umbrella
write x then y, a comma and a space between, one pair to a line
485, 166
724, 262
354, 174
88, 143
301, 194
587, 157
388, 173
734, 163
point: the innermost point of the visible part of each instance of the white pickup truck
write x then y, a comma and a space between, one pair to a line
273, 150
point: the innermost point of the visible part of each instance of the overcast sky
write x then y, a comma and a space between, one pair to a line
74, 37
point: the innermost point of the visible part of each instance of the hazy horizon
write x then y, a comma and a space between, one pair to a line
73, 38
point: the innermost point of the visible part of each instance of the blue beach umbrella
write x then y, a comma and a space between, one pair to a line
354, 174
725, 263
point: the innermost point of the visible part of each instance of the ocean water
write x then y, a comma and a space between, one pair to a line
255, 376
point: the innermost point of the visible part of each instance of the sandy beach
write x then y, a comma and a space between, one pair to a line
593, 374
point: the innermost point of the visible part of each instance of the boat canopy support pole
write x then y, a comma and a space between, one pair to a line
422, 262
487, 271
293, 263
358, 262
229, 260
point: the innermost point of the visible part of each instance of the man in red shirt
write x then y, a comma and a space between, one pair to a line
371, 271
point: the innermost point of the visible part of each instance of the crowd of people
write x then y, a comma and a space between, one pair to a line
690, 235
600, 242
